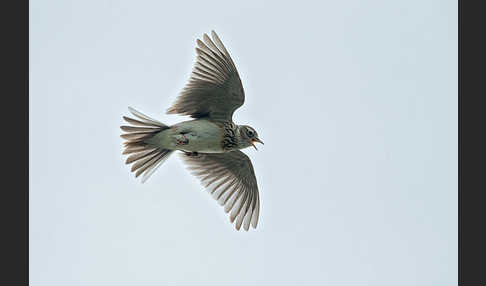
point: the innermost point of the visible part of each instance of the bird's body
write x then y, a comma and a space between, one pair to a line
211, 142
199, 135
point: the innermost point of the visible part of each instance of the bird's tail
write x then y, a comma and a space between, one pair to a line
146, 157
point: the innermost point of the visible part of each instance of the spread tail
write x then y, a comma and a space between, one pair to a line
146, 158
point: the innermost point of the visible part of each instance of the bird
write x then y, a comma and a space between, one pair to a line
210, 142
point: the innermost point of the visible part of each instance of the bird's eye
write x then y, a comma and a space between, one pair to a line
250, 133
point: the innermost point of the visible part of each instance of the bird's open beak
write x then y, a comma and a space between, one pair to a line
253, 140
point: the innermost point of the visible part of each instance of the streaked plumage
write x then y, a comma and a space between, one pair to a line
211, 142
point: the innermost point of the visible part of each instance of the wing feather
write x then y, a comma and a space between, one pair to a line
214, 89
231, 180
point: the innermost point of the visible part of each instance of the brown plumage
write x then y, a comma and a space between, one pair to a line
210, 143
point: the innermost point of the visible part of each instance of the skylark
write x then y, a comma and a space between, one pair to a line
211, 142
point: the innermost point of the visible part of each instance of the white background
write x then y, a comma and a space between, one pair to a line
356, 102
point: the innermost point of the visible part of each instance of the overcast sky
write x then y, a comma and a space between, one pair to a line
356, 102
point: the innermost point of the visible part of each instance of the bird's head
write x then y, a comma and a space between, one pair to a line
249, 136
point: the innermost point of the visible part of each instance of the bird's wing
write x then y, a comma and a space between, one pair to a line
230, 178
214, 89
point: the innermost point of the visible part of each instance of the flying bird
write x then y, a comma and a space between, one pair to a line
210, 143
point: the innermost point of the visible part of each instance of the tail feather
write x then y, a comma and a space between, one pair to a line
138, 122
139, 155
137, 129
146, 158
132, 149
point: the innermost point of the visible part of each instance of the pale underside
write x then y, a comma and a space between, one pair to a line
191, 136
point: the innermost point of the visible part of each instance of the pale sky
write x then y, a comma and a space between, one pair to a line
356, 102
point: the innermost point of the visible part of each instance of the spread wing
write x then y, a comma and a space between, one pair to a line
214, 89
230, 178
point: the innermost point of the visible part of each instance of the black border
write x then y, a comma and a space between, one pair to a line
471, 157
14, 211
459, 142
